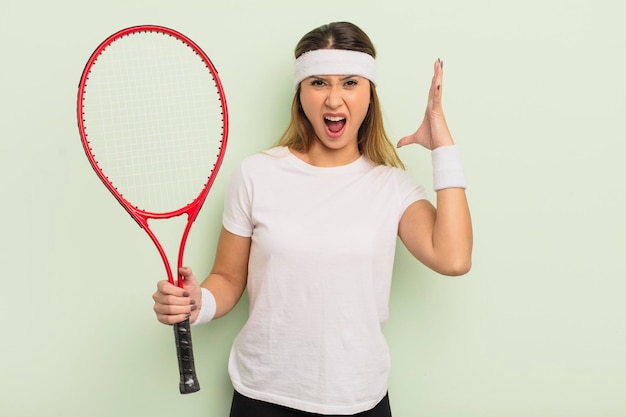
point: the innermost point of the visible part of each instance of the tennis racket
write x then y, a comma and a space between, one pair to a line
153, 122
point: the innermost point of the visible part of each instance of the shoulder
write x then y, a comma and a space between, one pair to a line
277, 152
397, 181
266, 157
392, 173
262, 161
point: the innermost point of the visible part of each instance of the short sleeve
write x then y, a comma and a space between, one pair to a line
237, 216
409, 190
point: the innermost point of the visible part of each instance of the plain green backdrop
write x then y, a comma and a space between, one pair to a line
535, 96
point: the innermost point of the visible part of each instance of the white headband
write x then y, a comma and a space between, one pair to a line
334, 62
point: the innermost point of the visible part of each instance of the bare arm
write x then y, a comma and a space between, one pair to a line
226, 281
229, 275
439, 237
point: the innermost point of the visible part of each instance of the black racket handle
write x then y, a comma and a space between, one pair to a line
188, 379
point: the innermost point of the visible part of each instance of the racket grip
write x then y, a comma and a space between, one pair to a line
188, 379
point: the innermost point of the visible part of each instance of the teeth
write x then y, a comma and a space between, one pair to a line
334, 119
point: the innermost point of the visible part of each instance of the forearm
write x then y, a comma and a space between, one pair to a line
441, 237
452, 229
452, 236
226, 291
228, 278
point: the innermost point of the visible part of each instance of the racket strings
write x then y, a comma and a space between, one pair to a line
154, 120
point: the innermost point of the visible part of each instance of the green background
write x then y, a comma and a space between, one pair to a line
535, 96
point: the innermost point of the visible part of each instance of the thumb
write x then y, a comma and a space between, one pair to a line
407, 140
188, 277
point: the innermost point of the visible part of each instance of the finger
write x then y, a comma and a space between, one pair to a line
174, 308
171, 309
407, 140
420, 137
431, 92
172, 319
436, 87
167, 288
438, 76
167, 293
174, 300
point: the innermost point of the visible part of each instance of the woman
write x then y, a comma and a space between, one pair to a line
310, 228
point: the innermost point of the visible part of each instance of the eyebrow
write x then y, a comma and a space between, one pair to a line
324, 77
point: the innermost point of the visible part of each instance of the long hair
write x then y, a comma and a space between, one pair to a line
372, 139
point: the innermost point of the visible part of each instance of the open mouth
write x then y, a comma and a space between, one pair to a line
335, 124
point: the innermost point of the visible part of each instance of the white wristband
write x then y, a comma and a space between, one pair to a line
207, 310
447, 168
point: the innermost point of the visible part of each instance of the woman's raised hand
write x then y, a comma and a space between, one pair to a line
433, 132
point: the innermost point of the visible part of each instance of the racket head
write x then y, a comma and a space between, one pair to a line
153, 120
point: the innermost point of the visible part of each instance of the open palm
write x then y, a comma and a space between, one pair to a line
433, 132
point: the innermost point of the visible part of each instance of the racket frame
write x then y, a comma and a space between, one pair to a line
182, 331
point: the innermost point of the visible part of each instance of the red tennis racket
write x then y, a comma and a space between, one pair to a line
153, 121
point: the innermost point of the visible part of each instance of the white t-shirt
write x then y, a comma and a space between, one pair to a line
321, 260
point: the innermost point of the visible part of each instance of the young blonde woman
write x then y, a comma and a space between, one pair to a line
310, 229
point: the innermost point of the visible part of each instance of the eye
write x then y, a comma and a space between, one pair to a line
317, 82
351, 82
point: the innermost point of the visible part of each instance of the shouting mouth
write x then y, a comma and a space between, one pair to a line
334, 125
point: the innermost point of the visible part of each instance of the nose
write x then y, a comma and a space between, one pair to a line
334, 98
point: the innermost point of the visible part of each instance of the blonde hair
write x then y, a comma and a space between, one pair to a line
372, 138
